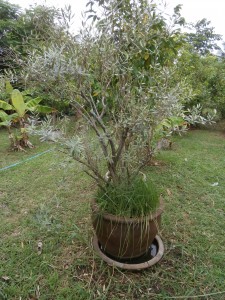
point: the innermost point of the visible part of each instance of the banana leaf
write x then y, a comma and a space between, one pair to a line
18, 103
8, 87
5, 123
44, 109
4, 105
5, 117
31, 104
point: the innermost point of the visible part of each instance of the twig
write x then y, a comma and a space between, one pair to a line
91, 168
90, 121
92, 272
192, 297
95, 178
108, 136
121, 145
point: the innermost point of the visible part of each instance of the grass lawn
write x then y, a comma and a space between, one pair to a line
46, 249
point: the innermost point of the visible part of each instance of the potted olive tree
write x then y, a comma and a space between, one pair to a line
117, 77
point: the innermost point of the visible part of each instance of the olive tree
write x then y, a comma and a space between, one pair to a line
118, 76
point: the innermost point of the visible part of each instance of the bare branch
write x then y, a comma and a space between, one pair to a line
92, 168
89, 118
96, 179
103, 101
121, 145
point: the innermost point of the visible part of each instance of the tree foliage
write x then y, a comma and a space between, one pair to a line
126, 67
203, 38
9, 14
23, 31
205, 75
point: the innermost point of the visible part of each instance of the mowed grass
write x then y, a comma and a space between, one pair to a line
46, 234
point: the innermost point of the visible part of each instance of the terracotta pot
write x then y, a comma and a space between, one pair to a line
123, 237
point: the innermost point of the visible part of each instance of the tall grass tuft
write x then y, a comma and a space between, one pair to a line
137, 199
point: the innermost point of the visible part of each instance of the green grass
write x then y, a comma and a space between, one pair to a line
137, 199
47, 200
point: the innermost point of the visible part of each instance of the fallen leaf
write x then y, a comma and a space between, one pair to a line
33, 298
38, 292
169, 193
5, 278
66, 266
39, 247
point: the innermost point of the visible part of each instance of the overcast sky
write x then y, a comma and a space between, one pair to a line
192, 11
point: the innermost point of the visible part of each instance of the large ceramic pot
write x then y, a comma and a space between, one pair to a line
123, 237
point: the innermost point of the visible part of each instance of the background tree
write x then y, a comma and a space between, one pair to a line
23, 31
9, 14
202, 68
203, 38
28, 33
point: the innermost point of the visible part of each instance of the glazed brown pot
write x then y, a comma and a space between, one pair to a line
123, 237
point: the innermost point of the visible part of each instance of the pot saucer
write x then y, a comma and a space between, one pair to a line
153, 255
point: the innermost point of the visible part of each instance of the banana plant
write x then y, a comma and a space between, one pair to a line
16, 112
